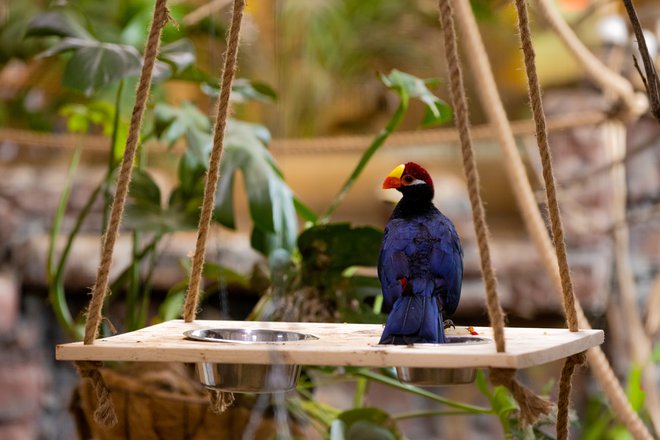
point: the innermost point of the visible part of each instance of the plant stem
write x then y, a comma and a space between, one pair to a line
380, 139
122, 279
360, 390
57, 293
378, 304
377, 377
430, 413
56, 289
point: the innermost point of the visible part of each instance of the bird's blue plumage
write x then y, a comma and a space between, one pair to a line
420, 268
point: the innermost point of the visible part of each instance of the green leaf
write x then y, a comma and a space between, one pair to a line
634, 389
179, 55
95, 65
149, 218
410, 87
482, 384
59, 22
365, 424
143, 189
438, 112
172, 305
172, 123
79, 117
198, 146
270, 200
304, 211
503, 403
243, 90
144, 211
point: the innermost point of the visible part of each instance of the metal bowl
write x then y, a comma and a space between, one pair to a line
248, 378
431, 377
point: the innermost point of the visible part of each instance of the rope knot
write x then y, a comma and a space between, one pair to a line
532, 407
104, 414
220, 401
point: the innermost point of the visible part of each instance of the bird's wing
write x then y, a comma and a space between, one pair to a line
447, 262
393, 262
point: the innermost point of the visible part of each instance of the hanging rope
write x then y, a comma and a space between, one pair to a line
531, 405
105, 412
160, 18
564, 397
536, 102
492, 105
546, 161
459, 102
213, 175
220, 401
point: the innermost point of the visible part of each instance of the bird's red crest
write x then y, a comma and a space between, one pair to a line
418, 172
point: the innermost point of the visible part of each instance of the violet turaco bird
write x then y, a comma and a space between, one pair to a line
420, 266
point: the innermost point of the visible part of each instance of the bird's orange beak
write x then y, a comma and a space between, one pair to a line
393, 180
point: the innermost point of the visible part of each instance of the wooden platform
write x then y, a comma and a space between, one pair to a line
337, 344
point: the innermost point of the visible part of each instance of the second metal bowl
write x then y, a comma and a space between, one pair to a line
441, 376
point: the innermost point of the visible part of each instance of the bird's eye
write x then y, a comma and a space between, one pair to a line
407, 179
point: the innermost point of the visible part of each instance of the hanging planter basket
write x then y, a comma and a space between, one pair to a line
162, 401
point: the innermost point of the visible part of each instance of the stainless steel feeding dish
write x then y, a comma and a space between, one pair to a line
248, 378
441, 376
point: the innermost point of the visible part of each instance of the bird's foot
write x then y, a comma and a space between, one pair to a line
449, 323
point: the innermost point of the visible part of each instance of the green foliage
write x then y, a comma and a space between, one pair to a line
408, 87
60, 22
332, 248
93, 64
80, 118
328, 253
600, 422
244, 91
270, 200
505, 407
364, 424
634, 389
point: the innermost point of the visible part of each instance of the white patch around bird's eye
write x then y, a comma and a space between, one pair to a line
409, 180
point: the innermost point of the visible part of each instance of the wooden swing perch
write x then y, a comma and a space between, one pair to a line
343, 344
337, 345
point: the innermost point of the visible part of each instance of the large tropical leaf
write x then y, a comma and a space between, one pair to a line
179, 55
94, 64
57, 22
144, 211
270, 200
